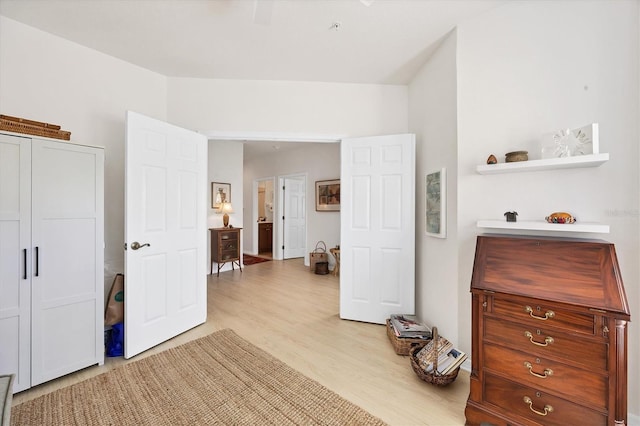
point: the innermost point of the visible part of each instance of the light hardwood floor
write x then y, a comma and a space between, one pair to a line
294, 315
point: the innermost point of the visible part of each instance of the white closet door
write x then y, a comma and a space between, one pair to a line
67, 267
15, 287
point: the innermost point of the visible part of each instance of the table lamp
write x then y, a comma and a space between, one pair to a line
226, 208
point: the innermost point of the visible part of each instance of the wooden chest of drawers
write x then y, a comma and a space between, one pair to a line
549, 333
225, 247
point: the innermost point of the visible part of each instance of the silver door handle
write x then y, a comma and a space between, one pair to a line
136, 245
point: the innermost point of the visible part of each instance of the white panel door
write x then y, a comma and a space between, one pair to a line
295, 218
166, 194
68, 258
377, 215
15, 252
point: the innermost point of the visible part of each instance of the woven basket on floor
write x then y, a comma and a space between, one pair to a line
434, 377
403, 346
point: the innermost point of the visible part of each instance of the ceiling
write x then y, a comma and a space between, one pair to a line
259, 149
348, 41
343, 41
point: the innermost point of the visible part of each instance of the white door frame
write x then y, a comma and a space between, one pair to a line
254, 213
215, 135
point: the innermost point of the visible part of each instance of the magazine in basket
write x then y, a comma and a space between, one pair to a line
408, 327
448, 357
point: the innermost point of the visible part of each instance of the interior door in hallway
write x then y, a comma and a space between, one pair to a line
295, 220
165, 232
377, 227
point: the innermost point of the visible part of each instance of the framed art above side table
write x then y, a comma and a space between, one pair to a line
220, 193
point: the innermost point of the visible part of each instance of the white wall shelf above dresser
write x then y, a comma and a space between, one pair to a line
592, 160
540, 225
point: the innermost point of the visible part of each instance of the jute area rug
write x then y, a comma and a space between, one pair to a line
218, 379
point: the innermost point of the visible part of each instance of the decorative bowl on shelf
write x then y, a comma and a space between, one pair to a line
511, 157
560, 217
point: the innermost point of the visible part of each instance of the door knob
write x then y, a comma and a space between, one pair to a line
136, 245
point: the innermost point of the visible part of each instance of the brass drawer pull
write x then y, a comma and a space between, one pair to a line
547, 408
547, 340
547, 315
547, 372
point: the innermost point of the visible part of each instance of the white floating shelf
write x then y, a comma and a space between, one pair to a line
592, 160
544, 226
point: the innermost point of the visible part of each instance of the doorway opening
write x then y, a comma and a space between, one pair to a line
263, 215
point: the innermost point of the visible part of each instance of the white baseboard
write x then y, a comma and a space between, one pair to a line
466, 366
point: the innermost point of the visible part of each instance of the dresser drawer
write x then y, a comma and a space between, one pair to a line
547, 343
582, 386
539, 314
537, 406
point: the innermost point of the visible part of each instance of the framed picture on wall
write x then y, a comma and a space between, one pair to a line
220, 193
328, 195
436, 203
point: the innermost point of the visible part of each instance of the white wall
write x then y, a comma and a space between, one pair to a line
532, 67
225, 166
432, 117
318, 161
46, 78
288, 107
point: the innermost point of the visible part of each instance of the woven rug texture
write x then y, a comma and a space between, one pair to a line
218, 379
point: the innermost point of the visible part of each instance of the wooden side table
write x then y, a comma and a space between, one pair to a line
336, 254
225, 247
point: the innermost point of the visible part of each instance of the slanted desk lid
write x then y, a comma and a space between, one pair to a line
574, 271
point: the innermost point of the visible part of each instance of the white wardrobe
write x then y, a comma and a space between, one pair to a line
51, 258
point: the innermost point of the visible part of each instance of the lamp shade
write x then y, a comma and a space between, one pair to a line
226, 208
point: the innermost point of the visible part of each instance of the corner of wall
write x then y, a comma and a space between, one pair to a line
433, 118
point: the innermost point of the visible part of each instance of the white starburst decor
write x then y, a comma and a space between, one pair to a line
571, 142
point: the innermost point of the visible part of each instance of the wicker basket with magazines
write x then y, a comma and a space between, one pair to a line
430, 356
403, 345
